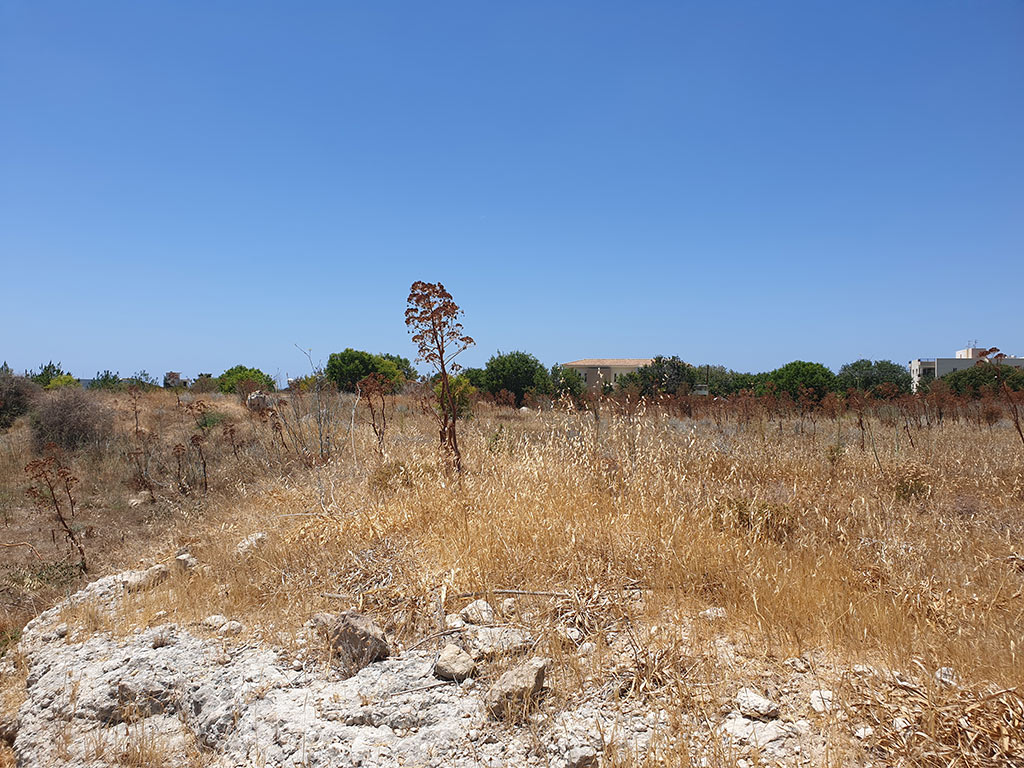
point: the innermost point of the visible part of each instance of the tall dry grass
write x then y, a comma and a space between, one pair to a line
879, 537
895, 552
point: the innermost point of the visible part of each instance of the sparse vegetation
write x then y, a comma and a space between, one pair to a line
885, 535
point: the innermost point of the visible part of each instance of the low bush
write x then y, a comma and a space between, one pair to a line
242, 380
62, 381
72, 419
16, 395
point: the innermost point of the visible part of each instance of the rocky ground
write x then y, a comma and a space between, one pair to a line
483, 695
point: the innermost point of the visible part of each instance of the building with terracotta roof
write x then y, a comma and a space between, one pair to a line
598, 371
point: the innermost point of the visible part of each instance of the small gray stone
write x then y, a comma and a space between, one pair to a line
150, 577
185, 562
581, 757
453, 621
821, 701
488, 642
356, 638
453, 663
751, 703
744, 730
514, 691
478, 612
230, 628
215, 621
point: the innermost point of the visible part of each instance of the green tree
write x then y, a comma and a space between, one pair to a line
348, 368
977, 379
390, 371
107, 380
667, 375
723, 381
141, 379
476, 376
232, 379
402, 363
867, 376
800, 375
517, 372
46, 373
567, 382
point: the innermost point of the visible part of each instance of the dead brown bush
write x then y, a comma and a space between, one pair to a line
72, 419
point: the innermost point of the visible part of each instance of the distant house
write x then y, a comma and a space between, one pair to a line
173, 380
599, 371
927, 369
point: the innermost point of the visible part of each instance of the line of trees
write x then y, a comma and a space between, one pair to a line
813, 381
514, 377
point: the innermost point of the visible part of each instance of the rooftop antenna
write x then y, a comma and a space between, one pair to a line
971, 343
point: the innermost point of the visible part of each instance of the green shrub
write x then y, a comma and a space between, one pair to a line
210, 419
518, 373
977, 379
799, 376
870, 376
402, 364
667, 375
346, 369
108, 380
462, 391
567, 382
62, 381
476, 376
47, 373
233, 380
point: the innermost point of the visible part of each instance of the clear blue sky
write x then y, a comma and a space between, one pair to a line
190, 185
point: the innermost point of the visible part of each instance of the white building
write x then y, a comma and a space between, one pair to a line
606, 370
926, 369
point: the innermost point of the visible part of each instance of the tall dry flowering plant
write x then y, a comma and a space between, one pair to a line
433, 320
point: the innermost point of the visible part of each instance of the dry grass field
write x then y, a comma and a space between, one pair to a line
889, 542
